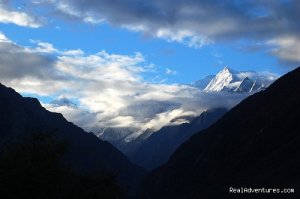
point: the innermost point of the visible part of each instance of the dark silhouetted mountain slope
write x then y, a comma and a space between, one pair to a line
157, 149
85, 153
256, 144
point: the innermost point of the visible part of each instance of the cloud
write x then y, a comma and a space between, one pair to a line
170, 72
4, 39
74, 52
101, 90
191, 22
17, 63
287, 48
43, 47
16, 17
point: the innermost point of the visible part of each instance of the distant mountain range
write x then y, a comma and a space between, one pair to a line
227, 80
255, 145
139, 149
85, 153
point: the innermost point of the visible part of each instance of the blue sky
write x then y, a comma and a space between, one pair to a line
190, 63
129, 62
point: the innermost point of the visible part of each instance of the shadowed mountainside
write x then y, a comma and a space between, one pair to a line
157, 149
256, 144
84, 154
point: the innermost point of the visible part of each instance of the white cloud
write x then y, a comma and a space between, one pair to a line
3, 38
73, 52
170, 72
43, 47
186, 37
108, 88
71, 11
160, 120
17, 17
287, 48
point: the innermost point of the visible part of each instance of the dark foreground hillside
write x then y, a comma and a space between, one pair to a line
30, 168
84, 155
256, 144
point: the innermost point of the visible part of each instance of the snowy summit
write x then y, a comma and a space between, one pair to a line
234, 81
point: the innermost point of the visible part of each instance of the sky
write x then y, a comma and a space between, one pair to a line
130, 62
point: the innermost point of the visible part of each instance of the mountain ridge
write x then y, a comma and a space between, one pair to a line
85, 152
156, 150
230, 80
255, 144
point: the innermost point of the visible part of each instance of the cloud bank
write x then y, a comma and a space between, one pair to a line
101, 90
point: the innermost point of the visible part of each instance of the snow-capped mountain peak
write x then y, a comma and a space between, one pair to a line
202, 83
221, 80
238, 82
245, 86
